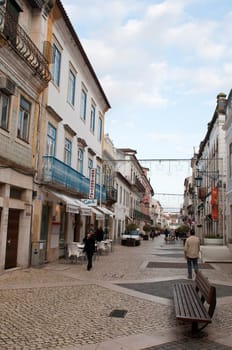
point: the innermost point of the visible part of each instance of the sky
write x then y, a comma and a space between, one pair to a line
161, 65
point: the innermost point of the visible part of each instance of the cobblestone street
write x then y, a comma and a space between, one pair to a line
64, 306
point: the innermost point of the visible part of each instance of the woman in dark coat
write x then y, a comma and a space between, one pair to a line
89, 247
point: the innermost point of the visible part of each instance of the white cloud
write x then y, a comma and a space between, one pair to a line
161, 63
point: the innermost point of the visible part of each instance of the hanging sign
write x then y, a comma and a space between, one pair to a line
92, 183
90, 202
214, 195
214, 212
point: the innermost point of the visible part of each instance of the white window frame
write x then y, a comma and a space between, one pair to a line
83, 103
24, 119
230, 160
100, 128
67, 151
56, 65
4, 111
92, 117
80, 160
90, 166
98, 175
51, 140
71, 87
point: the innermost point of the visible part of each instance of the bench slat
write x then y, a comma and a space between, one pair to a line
188, 305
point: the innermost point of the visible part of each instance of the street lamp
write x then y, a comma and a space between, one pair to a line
213, 175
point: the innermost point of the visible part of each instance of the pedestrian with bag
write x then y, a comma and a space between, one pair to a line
191, 252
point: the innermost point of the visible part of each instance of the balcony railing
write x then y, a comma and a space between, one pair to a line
136, 214
202, 192
58, 173
138, 186
111, 194
20, 42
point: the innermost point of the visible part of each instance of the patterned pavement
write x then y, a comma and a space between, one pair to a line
63, 306
190, 345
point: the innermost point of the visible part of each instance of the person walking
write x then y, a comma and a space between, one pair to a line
191, 252
89, 247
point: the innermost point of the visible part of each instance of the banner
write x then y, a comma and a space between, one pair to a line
214, 195
214, 212
92, 183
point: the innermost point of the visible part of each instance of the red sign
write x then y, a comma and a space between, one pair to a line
92, 183
214, 212
214, 195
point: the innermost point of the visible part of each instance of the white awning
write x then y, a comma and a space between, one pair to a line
99, 215
71, 206
106, 211
85, 209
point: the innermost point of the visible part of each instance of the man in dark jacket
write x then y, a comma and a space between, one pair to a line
89, 247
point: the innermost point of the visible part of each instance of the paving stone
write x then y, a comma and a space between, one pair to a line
62, 306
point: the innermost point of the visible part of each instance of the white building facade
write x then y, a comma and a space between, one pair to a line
228, 144
210, 165
24, 75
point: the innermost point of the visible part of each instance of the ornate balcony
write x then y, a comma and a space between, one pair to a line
138, 186
13, 34
202, 193
111, 194
138, 215
60, 174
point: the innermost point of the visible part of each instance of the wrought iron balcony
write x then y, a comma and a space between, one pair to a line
111, 194
138, 186
202, 193
136, 214
56, 172
14, 35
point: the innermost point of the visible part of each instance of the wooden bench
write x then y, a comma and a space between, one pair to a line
195, 304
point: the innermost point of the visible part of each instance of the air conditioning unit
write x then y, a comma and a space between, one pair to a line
7, 85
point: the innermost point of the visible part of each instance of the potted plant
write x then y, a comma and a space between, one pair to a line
146, 229
182, 232
131, 227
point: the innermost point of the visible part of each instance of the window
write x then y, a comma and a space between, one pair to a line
11, 21
100, 129
230, 160
67, 151
98, 179
71, 88
51, 140
83, 104
120, 194
90, 165
23, 119
56, 65
92, 118
4, 110
80, 160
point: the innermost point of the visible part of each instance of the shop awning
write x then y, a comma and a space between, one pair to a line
85, 209
106, 211
71, 205
99, 215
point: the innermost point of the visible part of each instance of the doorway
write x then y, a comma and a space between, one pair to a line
12, 239
44, 225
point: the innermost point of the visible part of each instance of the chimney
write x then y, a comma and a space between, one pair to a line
221, 102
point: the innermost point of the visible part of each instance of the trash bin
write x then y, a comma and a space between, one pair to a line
38, 253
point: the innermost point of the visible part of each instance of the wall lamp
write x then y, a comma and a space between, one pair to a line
213, 175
